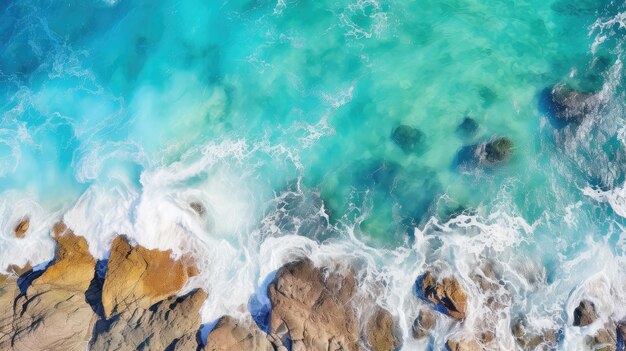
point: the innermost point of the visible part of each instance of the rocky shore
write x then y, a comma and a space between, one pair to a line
133, 301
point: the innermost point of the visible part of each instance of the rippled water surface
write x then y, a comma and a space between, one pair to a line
281, 119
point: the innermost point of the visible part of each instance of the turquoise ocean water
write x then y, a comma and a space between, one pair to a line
280, 118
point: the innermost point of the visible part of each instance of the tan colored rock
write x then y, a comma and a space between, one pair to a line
423, 324
585, 314
463, 345
171, 324
22, 227
231, 335
73, 266
56, 319
53, 314
447, 295
382, 331
8, 292
313, 308
142, 277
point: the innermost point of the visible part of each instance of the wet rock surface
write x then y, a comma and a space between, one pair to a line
423, 324
53, 313
605, 339
463, 345
311, 309
565, 106
382, 333
446, 295
54, 308
140, 277
171, 324
22, 227
585, 314
528, 339
232, 335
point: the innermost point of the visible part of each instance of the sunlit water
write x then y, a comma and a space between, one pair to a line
279, 118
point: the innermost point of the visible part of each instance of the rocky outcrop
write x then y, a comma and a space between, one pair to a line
52, 314
423, 324
463, 345
73, 267
528, 339
312, 309
140, 277
382, 332
171, 324
605, 339
566, 106
409, 139
231, 335
22, 227
446, 295
585, 314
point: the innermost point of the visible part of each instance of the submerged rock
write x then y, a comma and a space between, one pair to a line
468, 128
22, 227
171, 324
382, 332
565, 106
231, 335
141, 277
486, 154
585, 314
53, 313
423, 324
463, 345
311, 309
409, 139
448, 295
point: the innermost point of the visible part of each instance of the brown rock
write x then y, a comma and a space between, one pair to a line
422, 325
138, 276
585, 314
53, 314
73, 266
312, 308
171, 324
447, 295
605, 338
463, 345
22, 227
231, 335
545, 339
56, 319
382, 332
8, 292
198, 207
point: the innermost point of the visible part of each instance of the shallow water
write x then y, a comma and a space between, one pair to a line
278, 117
